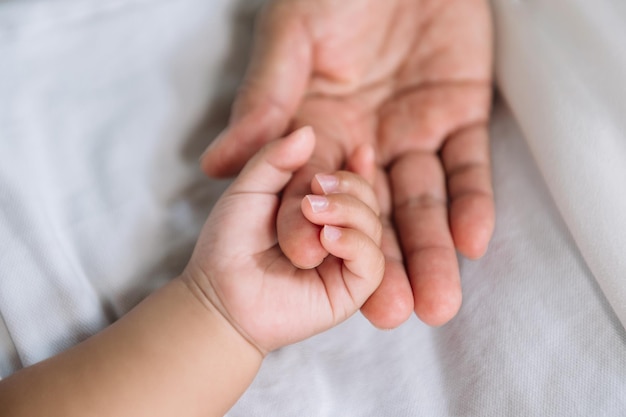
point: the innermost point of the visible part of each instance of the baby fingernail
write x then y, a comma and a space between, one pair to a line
329, 183
318, 203
332, 233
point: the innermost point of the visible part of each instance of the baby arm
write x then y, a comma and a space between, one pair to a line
194, 346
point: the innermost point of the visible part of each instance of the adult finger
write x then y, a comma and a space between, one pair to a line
392, 303
298, 237
466, 161
421, 215
273, 86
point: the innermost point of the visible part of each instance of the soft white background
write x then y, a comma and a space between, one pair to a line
105, 107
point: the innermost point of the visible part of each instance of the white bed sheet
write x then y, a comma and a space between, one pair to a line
105, 106
562, 66
104, 109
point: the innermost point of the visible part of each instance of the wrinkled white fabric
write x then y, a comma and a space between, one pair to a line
562, 66
105, 107
104, 110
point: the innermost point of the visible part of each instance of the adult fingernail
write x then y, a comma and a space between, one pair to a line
329, 183
332, 233
318, 203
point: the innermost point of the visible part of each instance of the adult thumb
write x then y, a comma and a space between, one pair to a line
270, 93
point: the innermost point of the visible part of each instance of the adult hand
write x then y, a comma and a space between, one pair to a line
410, 77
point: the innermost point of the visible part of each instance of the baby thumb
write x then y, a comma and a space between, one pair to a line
272, 167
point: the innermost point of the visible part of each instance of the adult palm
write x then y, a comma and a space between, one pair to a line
410, 77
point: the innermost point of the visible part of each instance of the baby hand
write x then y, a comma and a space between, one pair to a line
239, 268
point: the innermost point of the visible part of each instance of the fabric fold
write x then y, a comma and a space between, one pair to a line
562, 69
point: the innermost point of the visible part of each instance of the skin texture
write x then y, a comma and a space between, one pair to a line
240, 269
194, 346
411, 78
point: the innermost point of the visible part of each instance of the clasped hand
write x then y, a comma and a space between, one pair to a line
411, 78
243, 273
